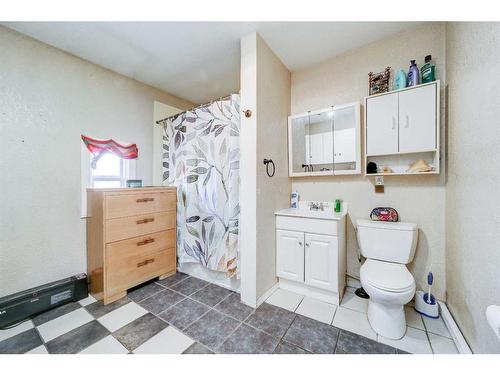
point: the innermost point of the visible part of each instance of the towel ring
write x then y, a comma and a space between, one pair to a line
268, 162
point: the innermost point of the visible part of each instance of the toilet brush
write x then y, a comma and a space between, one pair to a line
425, 303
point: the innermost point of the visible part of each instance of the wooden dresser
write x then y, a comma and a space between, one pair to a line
131, 238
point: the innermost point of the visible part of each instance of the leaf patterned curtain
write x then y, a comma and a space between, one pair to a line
201, 157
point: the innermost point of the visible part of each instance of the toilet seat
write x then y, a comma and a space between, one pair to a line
386, 276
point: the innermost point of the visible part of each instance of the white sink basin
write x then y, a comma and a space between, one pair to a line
327, 214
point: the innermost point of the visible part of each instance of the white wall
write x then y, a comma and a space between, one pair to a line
265, 90
47, 99
472, 202
421, 200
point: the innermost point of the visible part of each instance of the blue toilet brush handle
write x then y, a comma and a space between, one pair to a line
430, 279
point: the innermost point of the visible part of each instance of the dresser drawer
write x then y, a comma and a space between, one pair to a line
125, 270
136, 204
148, 244
134, 226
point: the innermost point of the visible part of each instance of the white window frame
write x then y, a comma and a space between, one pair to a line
127, 172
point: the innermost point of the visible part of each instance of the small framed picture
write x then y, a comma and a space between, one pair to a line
379, 82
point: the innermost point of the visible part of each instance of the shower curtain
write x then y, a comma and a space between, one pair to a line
201, 156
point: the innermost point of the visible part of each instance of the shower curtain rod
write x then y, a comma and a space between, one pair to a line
193, 108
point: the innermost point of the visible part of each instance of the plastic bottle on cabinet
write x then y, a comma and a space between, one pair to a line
428, 70
413, 74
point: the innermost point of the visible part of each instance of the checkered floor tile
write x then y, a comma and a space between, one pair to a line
183, 314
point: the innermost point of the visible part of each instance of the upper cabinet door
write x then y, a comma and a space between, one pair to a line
321, 261
417, 119
382, 125
290, 255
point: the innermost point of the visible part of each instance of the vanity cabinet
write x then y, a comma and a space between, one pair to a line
310, 253
290, 255
400, 123
321, 261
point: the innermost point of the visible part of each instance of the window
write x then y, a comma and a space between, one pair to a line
111, 172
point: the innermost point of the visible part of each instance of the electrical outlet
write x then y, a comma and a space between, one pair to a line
379, 180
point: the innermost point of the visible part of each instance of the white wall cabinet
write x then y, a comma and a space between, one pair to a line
403, 122
382, 125
325, 142
417, 119
310, 255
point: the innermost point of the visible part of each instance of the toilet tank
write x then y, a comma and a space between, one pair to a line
390, 242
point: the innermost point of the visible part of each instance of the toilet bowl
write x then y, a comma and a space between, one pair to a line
390, 286
387, 247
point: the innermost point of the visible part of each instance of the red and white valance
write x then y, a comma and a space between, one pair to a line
98, 147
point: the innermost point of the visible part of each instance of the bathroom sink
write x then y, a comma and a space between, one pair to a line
327, 214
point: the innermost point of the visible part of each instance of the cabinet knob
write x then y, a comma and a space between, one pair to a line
407, 122
300, 243
307, 244
393, 122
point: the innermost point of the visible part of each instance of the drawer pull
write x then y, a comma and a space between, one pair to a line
145, 242
144, 221
144, 200
145, 262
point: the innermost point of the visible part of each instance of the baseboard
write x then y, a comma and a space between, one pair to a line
352, 282
306, 290
267, 294
458, 338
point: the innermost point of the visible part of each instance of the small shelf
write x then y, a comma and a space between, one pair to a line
434, 173
401, 153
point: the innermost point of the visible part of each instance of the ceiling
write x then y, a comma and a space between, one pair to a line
200, 61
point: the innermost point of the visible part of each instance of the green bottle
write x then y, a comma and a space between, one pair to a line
428, 70
338, 205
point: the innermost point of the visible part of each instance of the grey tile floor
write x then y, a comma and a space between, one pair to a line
181, 314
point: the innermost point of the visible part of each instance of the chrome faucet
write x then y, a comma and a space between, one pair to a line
316, 206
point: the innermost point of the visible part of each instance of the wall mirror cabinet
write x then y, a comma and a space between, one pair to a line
325, 142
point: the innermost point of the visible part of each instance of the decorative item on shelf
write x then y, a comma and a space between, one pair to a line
399, 80
420, 166
384, 214
386, 169
371, 167
413, 74
379, 82
134, 183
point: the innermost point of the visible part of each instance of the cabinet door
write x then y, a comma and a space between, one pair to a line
417, 119
382, 125
321, 261
290, 255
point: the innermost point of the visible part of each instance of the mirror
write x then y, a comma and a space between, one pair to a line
325, 142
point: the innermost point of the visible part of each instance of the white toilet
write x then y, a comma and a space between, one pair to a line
388, 247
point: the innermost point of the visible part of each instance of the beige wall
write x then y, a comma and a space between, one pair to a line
273, 108
472, 203
418, 199
265, 90
47, 99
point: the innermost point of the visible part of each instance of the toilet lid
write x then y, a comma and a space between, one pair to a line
387, 276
